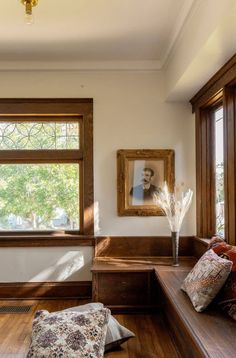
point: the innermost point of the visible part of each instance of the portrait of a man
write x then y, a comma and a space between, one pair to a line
145, 177
141, 174
145, 192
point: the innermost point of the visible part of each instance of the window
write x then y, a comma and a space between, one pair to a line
46, 170
214, 106
219, 170
49, 192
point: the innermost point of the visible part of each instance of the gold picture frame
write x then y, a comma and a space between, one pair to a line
139, 175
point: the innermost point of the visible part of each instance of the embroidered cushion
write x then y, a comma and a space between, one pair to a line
206, 279
116, 333
69, 334
227, 296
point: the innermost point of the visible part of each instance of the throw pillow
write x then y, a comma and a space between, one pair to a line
69, 334
116, 333
227, 296
218, 245
206, 279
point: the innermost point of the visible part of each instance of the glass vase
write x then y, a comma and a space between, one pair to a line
175, 247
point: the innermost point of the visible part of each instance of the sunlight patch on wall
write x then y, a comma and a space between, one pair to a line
68, 265
97, 228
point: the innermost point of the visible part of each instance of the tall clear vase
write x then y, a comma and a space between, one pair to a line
175, 247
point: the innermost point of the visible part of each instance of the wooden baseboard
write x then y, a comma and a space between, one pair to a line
46, 290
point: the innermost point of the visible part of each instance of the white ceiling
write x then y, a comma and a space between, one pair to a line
91, 30
188, 40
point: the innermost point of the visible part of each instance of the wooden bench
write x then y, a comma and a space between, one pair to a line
130, 284
207, 334
126, 277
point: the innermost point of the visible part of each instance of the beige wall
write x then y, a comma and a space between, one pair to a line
45, 264
129, 112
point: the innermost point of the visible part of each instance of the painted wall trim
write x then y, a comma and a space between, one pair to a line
132, 65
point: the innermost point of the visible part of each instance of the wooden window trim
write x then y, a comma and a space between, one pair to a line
46, 240
220, 88
56, 107
213, 88
205, 173
61, 156
230, 162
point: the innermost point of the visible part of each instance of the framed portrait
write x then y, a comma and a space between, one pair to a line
140, 174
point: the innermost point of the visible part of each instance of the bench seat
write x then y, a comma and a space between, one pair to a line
207, 334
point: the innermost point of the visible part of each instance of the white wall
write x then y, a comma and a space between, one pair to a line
202, 47
129, 112
45, 264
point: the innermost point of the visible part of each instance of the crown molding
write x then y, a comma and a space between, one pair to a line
124, 65
187, 9
150, 65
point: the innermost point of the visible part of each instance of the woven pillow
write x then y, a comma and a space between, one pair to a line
69, 334
206, 279
116, 333
227, 296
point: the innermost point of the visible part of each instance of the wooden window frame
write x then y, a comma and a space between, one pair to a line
81, 109
220, 89
205, 169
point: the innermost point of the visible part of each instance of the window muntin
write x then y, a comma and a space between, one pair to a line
219, 170
33, 135
41, 197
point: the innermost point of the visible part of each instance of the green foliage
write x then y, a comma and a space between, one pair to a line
220, 183
36, 192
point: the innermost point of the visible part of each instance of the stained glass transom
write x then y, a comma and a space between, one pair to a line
39, 135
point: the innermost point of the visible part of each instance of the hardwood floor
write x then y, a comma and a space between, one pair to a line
152, 336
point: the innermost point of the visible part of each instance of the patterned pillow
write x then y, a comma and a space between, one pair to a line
218, 245
206, 279
116, 333
69, 334
227, 296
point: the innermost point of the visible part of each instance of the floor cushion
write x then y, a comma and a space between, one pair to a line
69, 334
116, 333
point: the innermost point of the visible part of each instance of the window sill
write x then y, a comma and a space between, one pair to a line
28, 240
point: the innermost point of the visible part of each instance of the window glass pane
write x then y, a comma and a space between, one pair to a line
39, 135
39, 197
219, 169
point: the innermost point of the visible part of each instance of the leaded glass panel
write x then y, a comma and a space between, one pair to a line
38, 135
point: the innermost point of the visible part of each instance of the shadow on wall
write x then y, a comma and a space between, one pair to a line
68, 268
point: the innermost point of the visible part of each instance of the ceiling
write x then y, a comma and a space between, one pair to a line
188, 40
91, 30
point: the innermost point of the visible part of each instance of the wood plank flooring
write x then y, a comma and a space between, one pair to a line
152, 336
